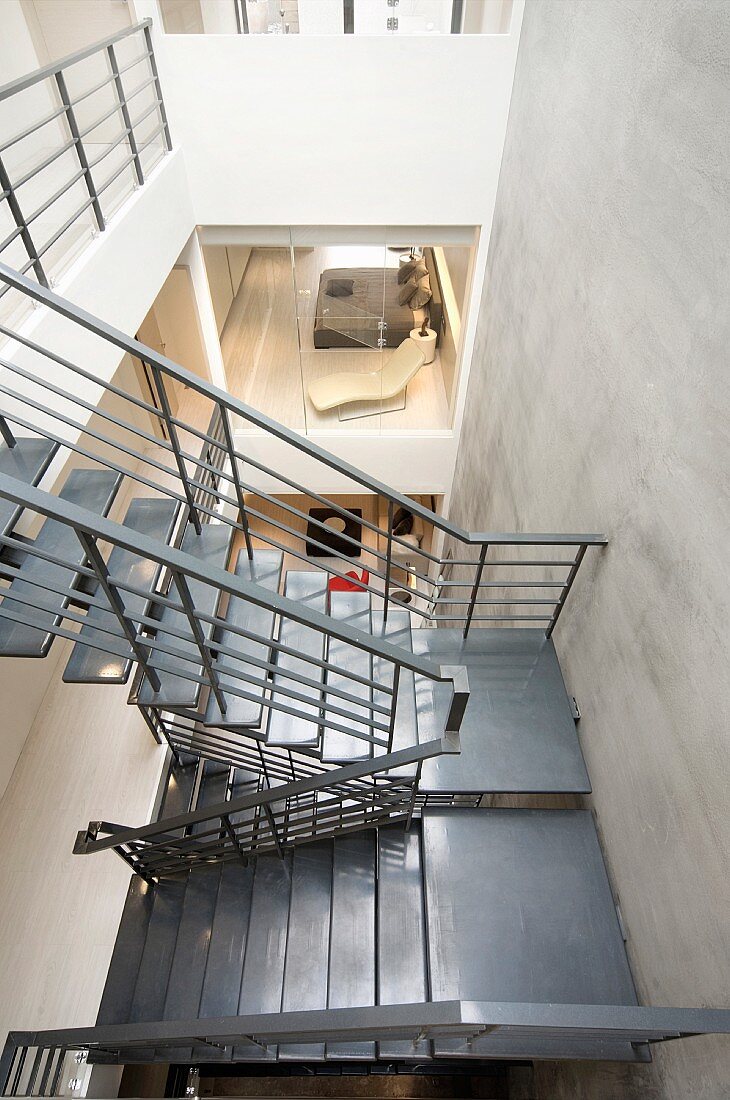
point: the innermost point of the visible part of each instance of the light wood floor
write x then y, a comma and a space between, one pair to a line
270, 357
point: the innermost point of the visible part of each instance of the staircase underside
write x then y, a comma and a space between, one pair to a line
479, 905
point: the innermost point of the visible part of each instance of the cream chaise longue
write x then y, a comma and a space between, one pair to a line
377, 385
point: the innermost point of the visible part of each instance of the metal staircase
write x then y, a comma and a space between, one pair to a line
320, 886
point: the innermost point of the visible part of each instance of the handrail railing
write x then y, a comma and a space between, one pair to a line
487, 1028
450, 575
346, 799
98, 120
200, 656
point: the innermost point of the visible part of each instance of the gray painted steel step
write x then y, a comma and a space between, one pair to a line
530, 884
397, 631
310, 589
402, 953
352, 935
263, 969
116, 1000
27, 461
93, 490
518, 732
150, 989
177, 692
187, 971
213, 788
150, 516
352, 608
264, 570
307, 949
177, 798
228, 937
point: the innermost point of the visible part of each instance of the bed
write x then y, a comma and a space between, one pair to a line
352, 320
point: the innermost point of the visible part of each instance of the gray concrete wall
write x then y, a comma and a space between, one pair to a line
599, 401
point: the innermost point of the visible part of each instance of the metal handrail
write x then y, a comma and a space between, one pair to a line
360, 795
483, 571
548, 1025
75, 141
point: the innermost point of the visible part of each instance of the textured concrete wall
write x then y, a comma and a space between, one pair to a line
599, 401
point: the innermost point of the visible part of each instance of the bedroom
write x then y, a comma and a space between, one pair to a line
338, 329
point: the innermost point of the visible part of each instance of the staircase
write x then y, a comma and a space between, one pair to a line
320, 886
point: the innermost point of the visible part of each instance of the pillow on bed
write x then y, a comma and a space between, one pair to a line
413, 269
419, 293
339, 288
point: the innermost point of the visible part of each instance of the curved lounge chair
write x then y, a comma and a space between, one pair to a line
377, 385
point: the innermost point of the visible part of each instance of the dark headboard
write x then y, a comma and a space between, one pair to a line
436, 306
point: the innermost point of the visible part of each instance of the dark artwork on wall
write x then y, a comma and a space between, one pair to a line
332, 539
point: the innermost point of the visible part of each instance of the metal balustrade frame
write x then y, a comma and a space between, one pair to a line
619, 1032
501, 579
79, 141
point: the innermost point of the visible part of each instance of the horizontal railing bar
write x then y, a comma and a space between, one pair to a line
23, 82
135, 62
33, 129
140, 118
121, 137
115, 175
95, 410
108, 386
140, 88
483, 603
44, 164
66, 226
495, 618
245, 802
155, 134
494, 584
55, 197
12, 237
300, 443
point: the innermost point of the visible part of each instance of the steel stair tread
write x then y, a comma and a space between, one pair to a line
154, 517
352, 608
228, 937
187, 969
307, 949
402, 962
397, 631
352, 935
116, 1000
148, 1002
94, 490
308, 587
264, 570
263, 968
27, 461
177, 691
213, 788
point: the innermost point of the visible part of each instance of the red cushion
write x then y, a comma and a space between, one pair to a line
340, 584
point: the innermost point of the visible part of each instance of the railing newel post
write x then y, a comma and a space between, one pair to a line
175, 442
236, 480
189, 608
126, 118
388, 562
22, 225
80, 151
475, 589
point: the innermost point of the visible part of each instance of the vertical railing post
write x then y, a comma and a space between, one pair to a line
388, 561
236, 481
158, 89
393, 706
6, 433
125, 113
80, 151
234, 839
475, 589
414, 794
566, 588
274, 831
174, 440
17, 215
111, 592
187, 601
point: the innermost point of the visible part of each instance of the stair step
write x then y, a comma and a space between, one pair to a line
116, 1000
187, 971
228, 936
264, 570
263, 970
154, 517
402, 958
307, 949
352, 608
308, 587
148, 1002
27, 461
178, 795
177, 690
352, 935
212, 790
92, 489
397, 631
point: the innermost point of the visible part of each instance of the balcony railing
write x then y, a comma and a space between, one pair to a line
76, 138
